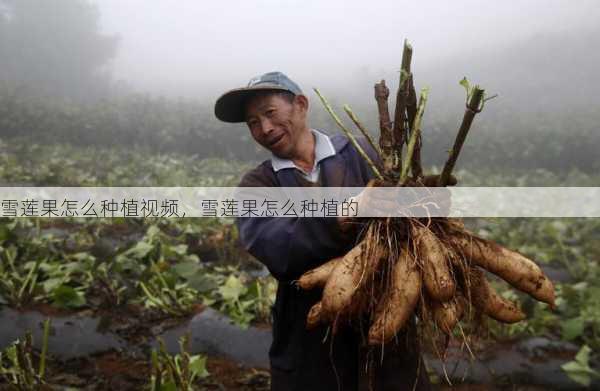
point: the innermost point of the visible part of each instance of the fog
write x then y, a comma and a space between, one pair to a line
201, 48
152, 70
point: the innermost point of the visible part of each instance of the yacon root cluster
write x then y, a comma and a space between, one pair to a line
435, 271
433, 268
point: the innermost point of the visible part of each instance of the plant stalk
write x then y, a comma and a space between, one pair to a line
473, 107
349, 135
414, 135
44, 352
411, 111
382, 94
399, 129
363, 130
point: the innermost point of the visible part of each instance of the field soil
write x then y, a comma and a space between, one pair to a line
85, 354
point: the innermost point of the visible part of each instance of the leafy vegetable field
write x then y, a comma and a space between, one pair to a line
140, 277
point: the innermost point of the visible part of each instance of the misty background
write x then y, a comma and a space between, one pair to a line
146, 74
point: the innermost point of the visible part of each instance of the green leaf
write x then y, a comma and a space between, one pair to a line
73, 267
198, 366
175, 252
577, 373
52, 283
191, 258
254, 292
467, 86
83, 257
245, 305
152, 231
5, 233
241, 318
11, 253
140, 250
170, 279
168, 386
579, 370
572, 328
593, 292
31, 265
67, 297
186, 269
232, 289
203, 283
189, 229
180, 249
583, 356
11, 353
208, 301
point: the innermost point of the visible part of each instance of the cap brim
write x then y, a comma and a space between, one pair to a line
230, 106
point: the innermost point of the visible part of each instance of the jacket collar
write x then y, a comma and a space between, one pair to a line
333, 169
324, 148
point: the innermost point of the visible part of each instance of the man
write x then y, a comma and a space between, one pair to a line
275, 110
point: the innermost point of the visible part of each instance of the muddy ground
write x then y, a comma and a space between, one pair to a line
92, 353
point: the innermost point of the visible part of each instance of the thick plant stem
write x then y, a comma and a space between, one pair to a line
363, 130
348, 134
382, 94
411, 111
399, 129
473, 107
414, 136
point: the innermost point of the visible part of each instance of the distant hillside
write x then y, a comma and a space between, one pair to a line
547, 113
545, 72
545, 117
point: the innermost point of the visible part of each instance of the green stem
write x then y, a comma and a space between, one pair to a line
28, 279
184, 347
156, 378
158, 302
44, 348
363, 130
473, 107
170, 363
348, 134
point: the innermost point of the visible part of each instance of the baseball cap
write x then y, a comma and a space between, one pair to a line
230, 106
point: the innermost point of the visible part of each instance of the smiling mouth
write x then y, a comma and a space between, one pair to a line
275, 140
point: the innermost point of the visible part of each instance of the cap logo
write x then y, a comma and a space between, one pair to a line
254, 81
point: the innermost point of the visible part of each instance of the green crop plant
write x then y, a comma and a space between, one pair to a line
176, 372
17, 363
18, 282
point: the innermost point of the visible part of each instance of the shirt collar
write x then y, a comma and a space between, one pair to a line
323, 149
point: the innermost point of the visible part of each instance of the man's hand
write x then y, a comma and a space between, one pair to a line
438, 198
366, 201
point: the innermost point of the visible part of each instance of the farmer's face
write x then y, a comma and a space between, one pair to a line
277, 124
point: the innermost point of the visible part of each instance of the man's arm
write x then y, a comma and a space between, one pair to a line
289, 246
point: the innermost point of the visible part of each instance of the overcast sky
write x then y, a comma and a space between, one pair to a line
190, 48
